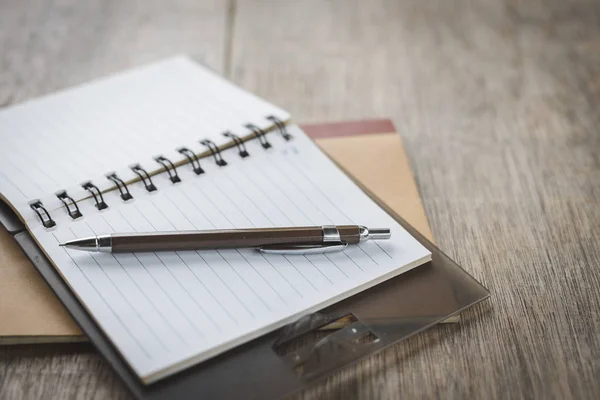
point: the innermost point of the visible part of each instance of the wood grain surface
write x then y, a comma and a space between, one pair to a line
498, 105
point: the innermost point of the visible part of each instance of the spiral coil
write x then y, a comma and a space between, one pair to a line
97, 194
169, 167
214, 150
260, 135
281, 128
43, 214
144, 176
193, 159
121, 186
70, 204
239, 143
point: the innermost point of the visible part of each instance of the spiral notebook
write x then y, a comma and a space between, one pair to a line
173, 146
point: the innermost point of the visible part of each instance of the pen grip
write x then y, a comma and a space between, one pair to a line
221, 239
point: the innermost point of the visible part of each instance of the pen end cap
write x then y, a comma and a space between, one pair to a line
374, 233
380, 233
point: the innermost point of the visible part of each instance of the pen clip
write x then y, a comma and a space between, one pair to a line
302, 248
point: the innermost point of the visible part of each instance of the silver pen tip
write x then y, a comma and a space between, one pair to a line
100, 243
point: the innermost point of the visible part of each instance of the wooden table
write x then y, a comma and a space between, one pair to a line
498, 104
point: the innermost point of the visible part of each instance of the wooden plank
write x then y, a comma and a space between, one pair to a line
50, 45
498, 104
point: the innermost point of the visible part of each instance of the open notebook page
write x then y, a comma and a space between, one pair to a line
81, 134
166, 311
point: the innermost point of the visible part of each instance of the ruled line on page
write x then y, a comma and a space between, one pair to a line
114, 312
166, 267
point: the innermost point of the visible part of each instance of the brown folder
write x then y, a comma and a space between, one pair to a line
370, 151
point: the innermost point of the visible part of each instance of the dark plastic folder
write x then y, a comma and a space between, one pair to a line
289, 359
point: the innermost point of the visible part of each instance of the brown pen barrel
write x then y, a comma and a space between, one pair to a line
222, 239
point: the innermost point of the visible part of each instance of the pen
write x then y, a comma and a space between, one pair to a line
292, 240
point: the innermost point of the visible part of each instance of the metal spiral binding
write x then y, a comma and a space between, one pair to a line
260, 135
239, 143
121, 186
193, 159
93, 189
68, 201
43, 214
280, 127
145, 177
170, 167
215, 152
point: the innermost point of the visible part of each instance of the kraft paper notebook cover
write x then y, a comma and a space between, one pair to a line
32, 314
172, 146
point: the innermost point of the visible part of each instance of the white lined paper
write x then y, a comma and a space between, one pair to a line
168, 310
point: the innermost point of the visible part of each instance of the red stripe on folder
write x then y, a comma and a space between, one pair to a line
352, 128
